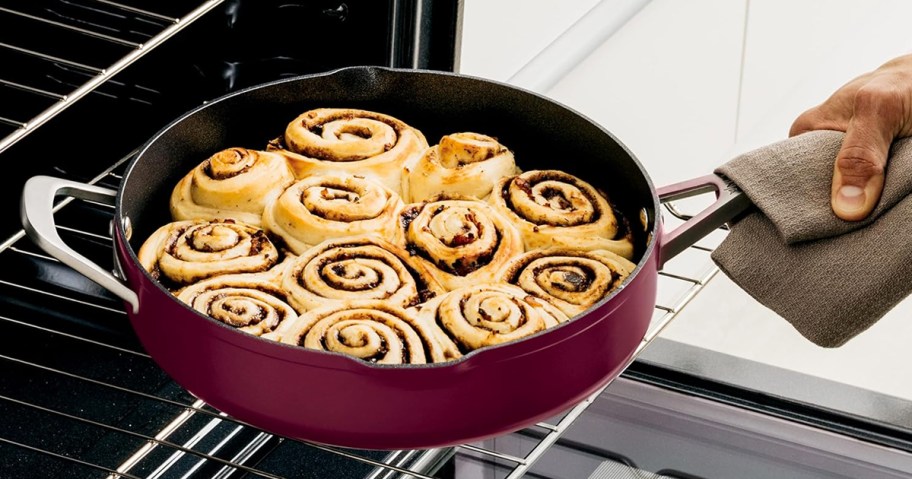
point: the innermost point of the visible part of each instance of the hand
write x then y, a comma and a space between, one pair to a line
872, 110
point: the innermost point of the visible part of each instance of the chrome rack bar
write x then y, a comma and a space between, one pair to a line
197, 407
73, 336
61, 457
87, 234
140, 11
163, 434
128, 432
7, 121
258, 443
29, 89
65, 298
9, 242
104, 74
52, 58
82, 31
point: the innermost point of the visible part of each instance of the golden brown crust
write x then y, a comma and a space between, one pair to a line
184, 252
463, 241
359, 267
328, 206
232, 183
371, 330
486, 314
573, 280
252, 303
352, 141
462, 164
552, 208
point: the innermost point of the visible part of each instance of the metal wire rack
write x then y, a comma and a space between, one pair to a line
185, 442
37, 97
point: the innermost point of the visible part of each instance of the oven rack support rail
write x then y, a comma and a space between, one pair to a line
101, 74
397, 465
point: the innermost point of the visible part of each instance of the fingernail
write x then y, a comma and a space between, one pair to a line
850, 198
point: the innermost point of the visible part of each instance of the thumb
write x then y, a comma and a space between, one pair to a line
858, 174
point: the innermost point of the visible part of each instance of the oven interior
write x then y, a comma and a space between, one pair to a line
79, 397
86, 83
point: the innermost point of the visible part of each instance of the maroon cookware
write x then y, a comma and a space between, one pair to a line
335, 399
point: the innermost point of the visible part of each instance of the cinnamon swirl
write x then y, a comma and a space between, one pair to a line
556, 209
573, 280
184, 252
233, 183
489, 313
249, 302
371, 330
352, 141
462, 164
360, 267
328, 206
462, 241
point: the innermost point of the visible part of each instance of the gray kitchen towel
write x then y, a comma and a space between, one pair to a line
830, 279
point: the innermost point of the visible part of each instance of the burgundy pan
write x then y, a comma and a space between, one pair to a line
335, 399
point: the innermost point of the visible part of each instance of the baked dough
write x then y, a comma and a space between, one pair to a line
327, 206
184, 252
371, 330
233, 183
249, 302
358, 267
573, 280
353, 141
463, 241
462, 164
552, 208
486, 314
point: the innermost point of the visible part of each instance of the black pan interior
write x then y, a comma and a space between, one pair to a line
542, 133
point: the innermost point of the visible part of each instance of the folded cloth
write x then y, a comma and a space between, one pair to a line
830, 279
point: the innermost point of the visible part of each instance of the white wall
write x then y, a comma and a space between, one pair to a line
687, 86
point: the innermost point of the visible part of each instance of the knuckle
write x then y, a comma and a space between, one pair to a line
859, 162
881, 98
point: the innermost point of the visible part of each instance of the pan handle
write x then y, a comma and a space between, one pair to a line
730, 202
37, 213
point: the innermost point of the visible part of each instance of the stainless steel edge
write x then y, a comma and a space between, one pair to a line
36, 211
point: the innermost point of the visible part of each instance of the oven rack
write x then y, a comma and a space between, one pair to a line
37, 94
172, 446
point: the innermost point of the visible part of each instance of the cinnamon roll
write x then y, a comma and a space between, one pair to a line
360, 267
462, 241
572, 280
249, 302
372, 330
352, 141
462, 164
233, 183
328, 206
184, 252
555, 209
486, 314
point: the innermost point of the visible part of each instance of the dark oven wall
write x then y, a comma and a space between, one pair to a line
237, 44
63, 338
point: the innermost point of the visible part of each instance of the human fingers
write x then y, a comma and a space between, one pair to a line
858, 172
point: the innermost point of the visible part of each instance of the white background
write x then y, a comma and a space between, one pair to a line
689, 85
